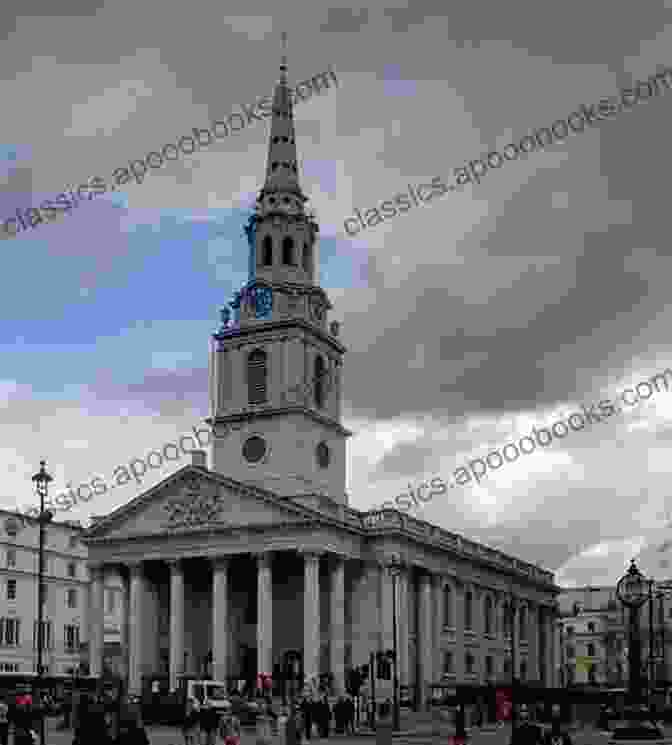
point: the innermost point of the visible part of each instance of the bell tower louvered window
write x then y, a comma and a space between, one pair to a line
257, 377
288, 251
319, 382
268, 251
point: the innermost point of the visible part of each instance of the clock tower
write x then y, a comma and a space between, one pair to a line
275, 367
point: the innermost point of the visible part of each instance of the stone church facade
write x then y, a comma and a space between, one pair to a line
231, 568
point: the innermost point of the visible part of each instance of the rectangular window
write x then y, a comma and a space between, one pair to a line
72, 569
11, 558
111, 601
71, 637
9, 631
11, 589
47, 635
447, 663
72, 598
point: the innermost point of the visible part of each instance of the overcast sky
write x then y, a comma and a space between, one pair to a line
467, 320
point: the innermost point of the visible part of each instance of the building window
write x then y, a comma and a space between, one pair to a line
570, 630
488, 615
448, 607
469, 663
288, 250
323, 455
306, 257
489, 666
72, 569
11, 557
570, 652
111, 595
267, 247
523, 670
47, 635
9, 667
591, 650
254, 449
523, 624
71, 598
10, 632
319, 381
71, 637
11, 589
448, 663
468, 600
591, 628
257, 377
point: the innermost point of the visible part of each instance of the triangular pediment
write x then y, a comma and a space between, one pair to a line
195, 498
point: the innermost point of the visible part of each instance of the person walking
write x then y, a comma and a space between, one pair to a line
232, 730
4, 722
190, 722
307, 711
526, 733
209, 721
324, 716
350, 715
556, 735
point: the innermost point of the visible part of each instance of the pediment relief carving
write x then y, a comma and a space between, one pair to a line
198, 503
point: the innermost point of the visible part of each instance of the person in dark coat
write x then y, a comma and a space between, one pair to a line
526, 733
350, 715
307, 710
460, 723
556, 735
325, 716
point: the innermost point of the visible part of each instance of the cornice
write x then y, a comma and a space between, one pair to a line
242, 334
269, 411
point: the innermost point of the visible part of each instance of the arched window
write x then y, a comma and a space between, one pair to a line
306, 257
591, 649
256, 377
523, 623
288, 250
268, 251
319, 381
468, 599
448, 607
488, 615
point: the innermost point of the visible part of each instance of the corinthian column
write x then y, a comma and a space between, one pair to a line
311, 616
97, 622
424, 637
337, 646
136, 628
264, 613
176, 661
220, 622
402, 630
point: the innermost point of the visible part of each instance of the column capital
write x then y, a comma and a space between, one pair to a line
263, 558
135, 568
310, 554
220, 563
175, 565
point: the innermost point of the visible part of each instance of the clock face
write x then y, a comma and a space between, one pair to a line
263, 302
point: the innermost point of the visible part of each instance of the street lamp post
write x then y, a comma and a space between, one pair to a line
41, 480
631, 590
395, 570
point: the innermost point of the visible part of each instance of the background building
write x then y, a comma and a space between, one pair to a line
592, 636
67, 585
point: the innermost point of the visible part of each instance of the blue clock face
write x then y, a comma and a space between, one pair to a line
263, 302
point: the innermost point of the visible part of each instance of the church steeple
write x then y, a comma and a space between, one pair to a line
282, 171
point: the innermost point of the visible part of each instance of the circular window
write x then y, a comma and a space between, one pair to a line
323, 455
254, 449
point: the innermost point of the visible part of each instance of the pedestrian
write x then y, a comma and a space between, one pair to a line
324, 716
526, 733
307, 713
4, 722
209, 720
190, 722
293, 727
460, 723
232, 730
556, 735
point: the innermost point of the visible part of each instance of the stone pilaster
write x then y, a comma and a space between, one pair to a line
337, 612
402, 630
437, 627
311, 617
533, 641
264, 613
176, 659
458, 622
136, 608
97, 619
125, 626
424, 645
220, 618
386, 609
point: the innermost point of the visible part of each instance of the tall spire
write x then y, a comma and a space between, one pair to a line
282, 171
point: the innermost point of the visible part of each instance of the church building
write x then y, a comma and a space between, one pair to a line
251, 557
